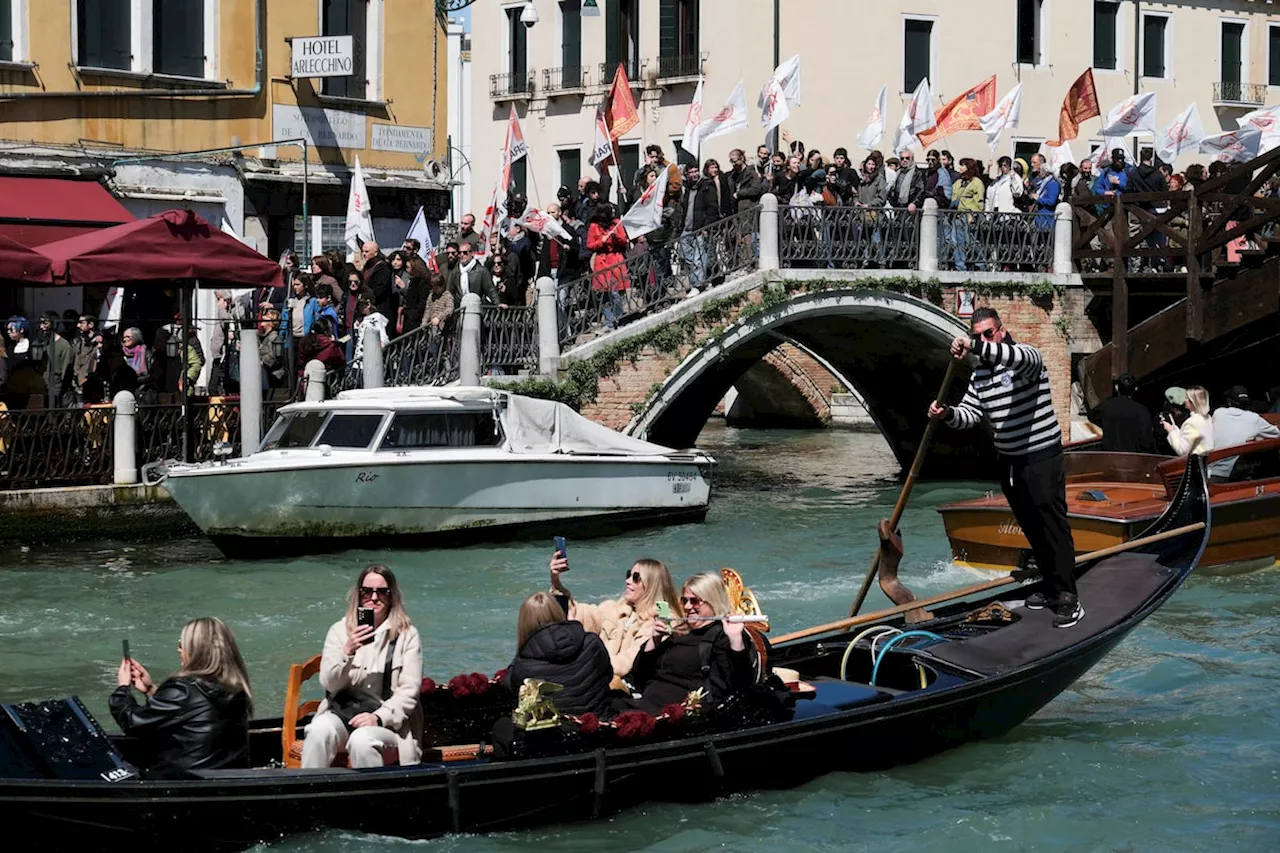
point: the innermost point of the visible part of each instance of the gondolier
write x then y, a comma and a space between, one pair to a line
1010, 389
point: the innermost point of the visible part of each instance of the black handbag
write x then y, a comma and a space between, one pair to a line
347, 705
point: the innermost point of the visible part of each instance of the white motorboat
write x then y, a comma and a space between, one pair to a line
404, 466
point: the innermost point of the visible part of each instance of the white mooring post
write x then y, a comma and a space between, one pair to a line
124, 430
250, 391
1063, 220
315, 374
469, 359
371, 372
769, 258
929, 236
548, 328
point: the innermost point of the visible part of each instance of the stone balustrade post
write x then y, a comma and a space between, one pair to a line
769, 257
1063, 235
250, 391
469, 359
929, 236
372, 373
315, 374
124, 448
548, 328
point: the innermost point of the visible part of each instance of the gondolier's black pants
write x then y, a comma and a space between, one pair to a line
1036, 488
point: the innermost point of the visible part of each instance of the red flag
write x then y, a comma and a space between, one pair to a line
432, 263
1080, 104
620, 106
962, 112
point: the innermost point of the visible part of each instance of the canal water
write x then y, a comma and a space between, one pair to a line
1172, 743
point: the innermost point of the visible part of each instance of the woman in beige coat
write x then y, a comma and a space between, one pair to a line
622, 623
360, 714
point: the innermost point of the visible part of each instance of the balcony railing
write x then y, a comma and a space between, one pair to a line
511, 86
681, 66
633, 68
570, 78
1254, 94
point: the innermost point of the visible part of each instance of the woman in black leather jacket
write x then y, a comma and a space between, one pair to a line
556, 650
198, 718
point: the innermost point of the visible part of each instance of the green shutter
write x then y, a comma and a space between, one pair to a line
570, 168
630, 156
1273, 73
571, 44
6, 31
1104, 34
178, 37
1153, 46
518, 176
1232, 53
916, 51
690, 31
612, 39
346, 18
668, 27
104, 30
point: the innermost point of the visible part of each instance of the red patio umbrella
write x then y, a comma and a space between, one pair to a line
176, 244
22, 265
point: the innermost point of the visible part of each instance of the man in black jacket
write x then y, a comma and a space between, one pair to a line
470, 276
745, 181
378, 278
1127, 426
846, 177
908, 188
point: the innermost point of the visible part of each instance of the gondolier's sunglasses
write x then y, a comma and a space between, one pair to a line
989, 334
374, 591
632, 576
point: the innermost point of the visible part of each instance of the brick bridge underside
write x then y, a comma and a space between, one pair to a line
788, 388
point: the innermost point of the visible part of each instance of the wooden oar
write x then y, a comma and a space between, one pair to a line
907, 486
994, 583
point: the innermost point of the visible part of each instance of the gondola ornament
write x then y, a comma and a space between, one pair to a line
534, 708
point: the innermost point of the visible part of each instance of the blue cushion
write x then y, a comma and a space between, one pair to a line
844, 695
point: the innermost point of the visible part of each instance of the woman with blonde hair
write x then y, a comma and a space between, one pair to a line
551, 648
622, 623
703, 652
198, 718
371, 671
1195, 436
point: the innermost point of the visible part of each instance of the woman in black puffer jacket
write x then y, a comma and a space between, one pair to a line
553, 649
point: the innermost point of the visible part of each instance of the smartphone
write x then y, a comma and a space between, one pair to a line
125, 648
663, 609
364, 616
563, 601
561, 548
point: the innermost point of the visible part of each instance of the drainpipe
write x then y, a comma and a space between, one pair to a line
260, 72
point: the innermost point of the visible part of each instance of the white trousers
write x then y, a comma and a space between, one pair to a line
327, 735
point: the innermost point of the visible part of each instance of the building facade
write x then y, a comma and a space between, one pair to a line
111, 89
1223, 55
461, 104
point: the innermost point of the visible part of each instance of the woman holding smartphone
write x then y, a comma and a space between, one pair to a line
1195, 436
622, 623
371, 671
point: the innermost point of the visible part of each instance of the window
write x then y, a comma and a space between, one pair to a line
413, 430
347, 18
520, 176
103, 34
917, 53
517, 50
1028, 34
178, 37
1232, 56
1024, 148
682, 158
1155, 30
1106, 18
629, 154
1273, 56
571, 43
333, 232
294, 431
9, 28
678, 23
351, 431
570, 167
622, 38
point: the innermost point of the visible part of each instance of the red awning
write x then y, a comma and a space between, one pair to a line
22, 265
174, 245
34, 211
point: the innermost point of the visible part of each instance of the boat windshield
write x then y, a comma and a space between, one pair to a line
350, 430
295, 430
414, 430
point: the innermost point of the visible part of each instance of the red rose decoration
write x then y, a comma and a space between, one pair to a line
634, 724
589, 723
460, 686
480, 684
428, 686
674, 712
500, 674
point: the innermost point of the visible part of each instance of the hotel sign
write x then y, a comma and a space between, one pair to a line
324, 56
321, 128
401, 138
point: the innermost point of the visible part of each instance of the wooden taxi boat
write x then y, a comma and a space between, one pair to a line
975, 669
1112, 496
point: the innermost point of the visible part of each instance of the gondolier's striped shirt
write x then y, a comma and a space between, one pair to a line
1010, 387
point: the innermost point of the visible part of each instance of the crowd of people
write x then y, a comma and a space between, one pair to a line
645, 650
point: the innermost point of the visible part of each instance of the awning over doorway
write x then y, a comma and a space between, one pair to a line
34, 211
22, 265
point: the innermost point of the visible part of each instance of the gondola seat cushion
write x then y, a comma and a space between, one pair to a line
843, 695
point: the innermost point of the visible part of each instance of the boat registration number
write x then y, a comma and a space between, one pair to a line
681, 476
681, 488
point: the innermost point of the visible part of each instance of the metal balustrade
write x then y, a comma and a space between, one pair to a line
508, 338
848, 237
1239, 93
681, 66
55, 447
564, 79
516, 85
424, 356
990, 241
633, 67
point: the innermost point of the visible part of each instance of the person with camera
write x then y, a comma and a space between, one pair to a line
1195, 436
198, 718
371, 671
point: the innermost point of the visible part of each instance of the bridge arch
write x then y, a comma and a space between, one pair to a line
890, 346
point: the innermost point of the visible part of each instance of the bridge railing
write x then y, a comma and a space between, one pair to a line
508, 338
423, 356
848, 237
995, 241
663, 275
55, 447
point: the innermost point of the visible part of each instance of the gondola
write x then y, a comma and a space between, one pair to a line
984, 666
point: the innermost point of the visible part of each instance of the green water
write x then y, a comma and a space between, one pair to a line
1170, 744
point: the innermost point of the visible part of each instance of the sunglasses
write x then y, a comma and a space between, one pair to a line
376, 592
989, 334
691, 602
632, 576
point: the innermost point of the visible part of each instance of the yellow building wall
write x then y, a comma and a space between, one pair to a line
415, 92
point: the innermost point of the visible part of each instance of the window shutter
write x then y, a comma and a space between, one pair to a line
1273, 73
668, 28
178, 37
1153, 46
612, 39
6, 31
690, 26
570, 168
916, 49
347, 18
571, 43
1104, 34
1232, 54
519, 175
104, 34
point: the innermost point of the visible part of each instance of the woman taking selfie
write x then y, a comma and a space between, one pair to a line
702, 652
371, 671
621, 623
551, 648
198, 718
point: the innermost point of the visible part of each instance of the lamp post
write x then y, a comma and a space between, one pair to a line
772, 139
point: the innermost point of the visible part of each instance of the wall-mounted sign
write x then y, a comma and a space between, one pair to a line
322, 128
324, 56
401, 138
964, 303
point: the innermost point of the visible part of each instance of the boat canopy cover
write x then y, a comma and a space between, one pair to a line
543, 426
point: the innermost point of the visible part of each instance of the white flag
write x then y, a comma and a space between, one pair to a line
112, 309
692, 120
515, 147
1266, 120
732, 116
1234, 146
1102, 157
646, 214
788, 76
540, 223
359, 212
420, 232
773, 106
1058, 156
1003, 117
1182, 134
602, 146
1135, 114
874, 132
917, 118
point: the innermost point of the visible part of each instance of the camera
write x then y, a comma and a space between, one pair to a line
529, 16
